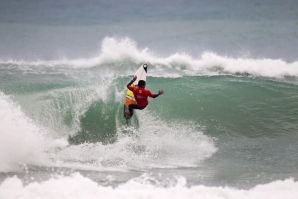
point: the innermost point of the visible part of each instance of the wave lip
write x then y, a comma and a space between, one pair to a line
120, 55
248, 66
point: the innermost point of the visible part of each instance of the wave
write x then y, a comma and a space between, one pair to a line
153, 144
78, 120
59, 114
21, 140
77, 186
121, 55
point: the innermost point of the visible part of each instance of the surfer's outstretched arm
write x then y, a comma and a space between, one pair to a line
160, 92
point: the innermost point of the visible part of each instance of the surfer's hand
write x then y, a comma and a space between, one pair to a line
134, 78
161, 92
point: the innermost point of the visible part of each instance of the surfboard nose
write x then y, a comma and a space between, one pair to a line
145, 67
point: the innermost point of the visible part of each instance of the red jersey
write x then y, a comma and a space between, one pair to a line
141, 95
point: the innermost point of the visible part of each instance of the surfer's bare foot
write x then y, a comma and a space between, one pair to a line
127, 115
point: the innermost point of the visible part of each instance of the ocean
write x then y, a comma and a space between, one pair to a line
226, 127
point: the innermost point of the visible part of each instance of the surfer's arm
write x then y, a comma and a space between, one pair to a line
155, 95
159, 93
128, 85
133, 79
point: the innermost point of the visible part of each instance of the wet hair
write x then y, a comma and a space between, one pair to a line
141, 83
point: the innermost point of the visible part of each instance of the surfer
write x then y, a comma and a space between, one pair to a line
141, 95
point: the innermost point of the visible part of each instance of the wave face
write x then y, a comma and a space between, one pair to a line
232, 121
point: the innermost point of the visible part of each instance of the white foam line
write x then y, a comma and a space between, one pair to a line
116, 51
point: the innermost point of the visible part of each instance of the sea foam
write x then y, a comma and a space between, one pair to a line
120, 54
78, 186
21, 140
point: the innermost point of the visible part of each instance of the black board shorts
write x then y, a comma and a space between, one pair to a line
135, 106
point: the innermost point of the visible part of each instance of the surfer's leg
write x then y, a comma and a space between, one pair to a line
126, 110
131, 107
135, 106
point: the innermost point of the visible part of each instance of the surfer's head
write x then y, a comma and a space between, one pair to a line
142, 84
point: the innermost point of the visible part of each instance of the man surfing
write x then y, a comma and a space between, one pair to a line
141, 95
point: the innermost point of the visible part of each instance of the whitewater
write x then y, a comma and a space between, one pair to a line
226, 126
117, 50
62, 126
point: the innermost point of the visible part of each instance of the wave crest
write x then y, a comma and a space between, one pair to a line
121, 56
